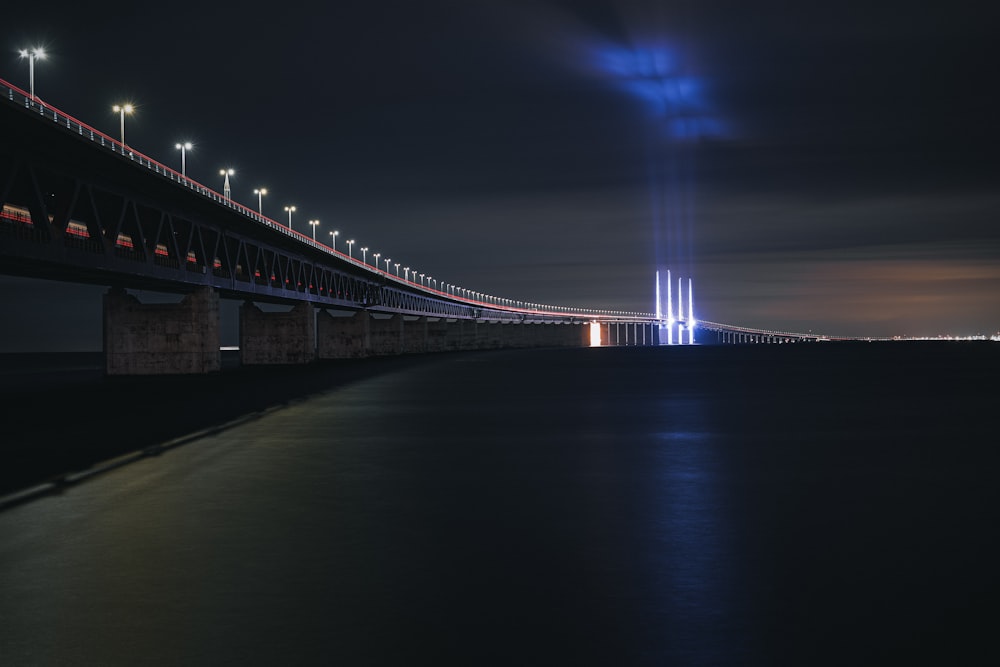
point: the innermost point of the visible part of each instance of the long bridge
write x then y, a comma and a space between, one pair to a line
81, 206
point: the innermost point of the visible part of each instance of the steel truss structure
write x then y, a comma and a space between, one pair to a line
77, 206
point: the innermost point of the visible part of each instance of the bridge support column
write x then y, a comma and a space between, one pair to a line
387, 335
474, 335
466, 334
493, 338
277, 338
437, 335
551, 334
161, 339
415, 335
342, 337
454, 339
571, 334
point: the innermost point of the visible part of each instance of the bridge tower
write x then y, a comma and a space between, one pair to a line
670, 313
667, 321
690, 317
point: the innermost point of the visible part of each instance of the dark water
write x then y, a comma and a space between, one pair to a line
824, 504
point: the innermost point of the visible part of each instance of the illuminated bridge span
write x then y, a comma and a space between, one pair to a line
80, 206
727, 333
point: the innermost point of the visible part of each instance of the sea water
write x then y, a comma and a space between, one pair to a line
801, 504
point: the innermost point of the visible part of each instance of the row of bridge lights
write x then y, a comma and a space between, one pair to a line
127, 109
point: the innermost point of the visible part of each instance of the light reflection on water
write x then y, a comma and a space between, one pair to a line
692, 561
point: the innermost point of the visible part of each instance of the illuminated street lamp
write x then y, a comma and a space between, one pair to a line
121, 110
387, 260
184, 148
333, 240
225, 186
350, 247
290, 210
406, 273
376, 255
260, 192
36, 53
397, 268
421, 280
314, 224
364, 255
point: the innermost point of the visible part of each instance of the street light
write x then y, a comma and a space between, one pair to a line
184, 148
290, 210
260, 192
387, 260
406, 273
225, 186
350, 246
376, 255
364, 255
123, 109
397, 268
37, 53
314, 224
333, 240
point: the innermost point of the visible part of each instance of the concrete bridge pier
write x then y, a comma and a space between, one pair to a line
343, 337
386, 335
415, 335
571, 335
471, 336
495, 338
437, 335
277, 338
514, 335
161, 338
454, 336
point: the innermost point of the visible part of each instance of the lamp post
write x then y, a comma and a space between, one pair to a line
387, 260
121, 110
376, 255
397, 268
225, 185
364, 255
333, 240
32, 55
290, 210
260, 192
314, 224
406, 273
184, 148
350, 247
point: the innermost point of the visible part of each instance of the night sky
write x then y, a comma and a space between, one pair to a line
813, 166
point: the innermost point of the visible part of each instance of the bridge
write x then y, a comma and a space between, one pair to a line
81, 206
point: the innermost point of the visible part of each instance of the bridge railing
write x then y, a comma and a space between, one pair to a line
34, 103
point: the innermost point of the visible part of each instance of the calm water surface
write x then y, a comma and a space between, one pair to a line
769, 505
